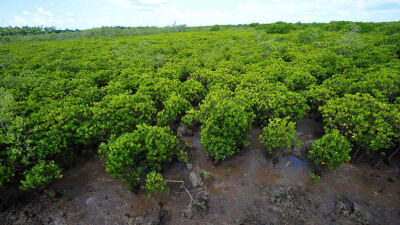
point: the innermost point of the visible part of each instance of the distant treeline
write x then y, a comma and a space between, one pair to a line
25, 30
15, 34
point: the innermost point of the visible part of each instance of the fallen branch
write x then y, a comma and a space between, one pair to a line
182, 186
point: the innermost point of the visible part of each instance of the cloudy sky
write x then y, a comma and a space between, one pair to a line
82, 14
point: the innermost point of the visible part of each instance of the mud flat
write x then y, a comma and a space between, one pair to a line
244, 189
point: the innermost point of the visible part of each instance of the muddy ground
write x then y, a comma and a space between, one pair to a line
245, 189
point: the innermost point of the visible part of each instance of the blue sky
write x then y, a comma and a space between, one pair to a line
84, 14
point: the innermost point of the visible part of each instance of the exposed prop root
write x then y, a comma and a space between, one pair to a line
354, 159
394, 153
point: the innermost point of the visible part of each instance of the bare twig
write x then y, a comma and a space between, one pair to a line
182, 186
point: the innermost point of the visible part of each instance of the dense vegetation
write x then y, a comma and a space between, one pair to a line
278, 136
52, 33
331, 150
124, 96
141, 152
15, 31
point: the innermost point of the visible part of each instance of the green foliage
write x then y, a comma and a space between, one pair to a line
51, 33
384, 85
193, 91
158, 89
6, 109
16, 150
141, 152
192, 116
298, 81
40, 175
174, 107
226, 120
6, 174
308, 35
274, 100
215, 28
324, 63
60, 125
278, 135
206, 175
343, 26
365, 121
391, 28
349, 44
331, 150
336, 86
279, 28
314, 178
28, 30
60, 99
118, 114
49, 194
154, 183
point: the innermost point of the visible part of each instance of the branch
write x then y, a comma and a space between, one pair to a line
182, 186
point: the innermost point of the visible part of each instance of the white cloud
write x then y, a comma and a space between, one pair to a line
41, 17
20, 21
164, 12
43, 12
316, 10
152, 2
138, 4
279, 10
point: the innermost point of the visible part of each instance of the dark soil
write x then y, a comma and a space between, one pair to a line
244, 189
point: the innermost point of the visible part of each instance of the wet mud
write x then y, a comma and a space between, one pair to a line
244, 189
